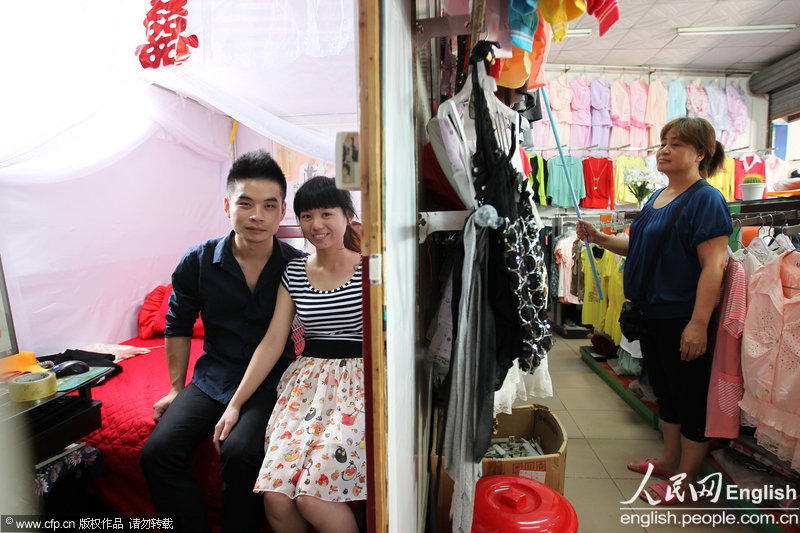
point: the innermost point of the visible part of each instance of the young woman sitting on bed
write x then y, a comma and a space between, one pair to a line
315, 458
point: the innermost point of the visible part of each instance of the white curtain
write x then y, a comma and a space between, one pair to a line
106, 179
263, 63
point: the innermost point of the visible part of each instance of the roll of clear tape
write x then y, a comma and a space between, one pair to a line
33, 386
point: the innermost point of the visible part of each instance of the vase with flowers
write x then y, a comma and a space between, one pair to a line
641, 182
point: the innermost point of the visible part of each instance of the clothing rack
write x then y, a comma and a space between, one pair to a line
748, 149
761, 219
432, 221
790, 230
574, 331
611, 69
594, 147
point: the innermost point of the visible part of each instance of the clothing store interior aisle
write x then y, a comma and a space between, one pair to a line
604, 433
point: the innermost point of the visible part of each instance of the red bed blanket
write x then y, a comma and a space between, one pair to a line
127, 414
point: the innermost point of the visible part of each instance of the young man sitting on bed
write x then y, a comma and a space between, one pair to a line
233, 282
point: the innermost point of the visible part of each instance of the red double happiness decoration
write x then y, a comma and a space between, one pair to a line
164, 23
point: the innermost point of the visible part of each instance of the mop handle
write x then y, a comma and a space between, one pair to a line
571, 188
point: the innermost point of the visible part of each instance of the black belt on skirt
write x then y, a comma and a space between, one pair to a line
332, 349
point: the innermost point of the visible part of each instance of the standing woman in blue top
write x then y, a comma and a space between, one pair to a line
315, 450
681, 295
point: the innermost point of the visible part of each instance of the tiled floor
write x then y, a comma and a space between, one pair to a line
604, 434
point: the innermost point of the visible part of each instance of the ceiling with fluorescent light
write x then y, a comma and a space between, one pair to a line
646, 35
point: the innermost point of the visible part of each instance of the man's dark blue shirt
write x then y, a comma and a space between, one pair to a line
209, 281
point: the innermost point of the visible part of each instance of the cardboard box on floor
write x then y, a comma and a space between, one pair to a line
530, 421
537, 422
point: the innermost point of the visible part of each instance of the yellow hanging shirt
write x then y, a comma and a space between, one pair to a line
621, 164
559, 12
723, 179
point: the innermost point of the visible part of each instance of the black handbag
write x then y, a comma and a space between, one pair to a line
631, 318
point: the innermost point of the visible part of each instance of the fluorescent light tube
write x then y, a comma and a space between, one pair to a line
585, 32
736, 30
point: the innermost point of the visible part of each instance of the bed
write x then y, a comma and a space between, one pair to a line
127, 415
127, 418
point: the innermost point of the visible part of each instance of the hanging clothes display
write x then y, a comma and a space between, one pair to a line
656, 111
606, 12
524, 21
724, 178
559, 12
598, 177
770, 355
676, 100
594, 309
539, 177
639, 125
515, 71
696, 100
620, 116
564, 254
542, 131
581, 129
616, 296
621, 164
498, 300
600, 92
717, 109
774, 170
737, 114
542, 40
560, 94
557, 187
726, 386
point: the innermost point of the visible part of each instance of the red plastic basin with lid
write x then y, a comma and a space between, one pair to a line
509, 504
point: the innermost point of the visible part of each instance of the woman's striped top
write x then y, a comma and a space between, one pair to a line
328, 315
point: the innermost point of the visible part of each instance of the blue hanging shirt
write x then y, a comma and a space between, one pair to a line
673, 287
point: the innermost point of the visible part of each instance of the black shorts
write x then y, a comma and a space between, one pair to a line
680, 386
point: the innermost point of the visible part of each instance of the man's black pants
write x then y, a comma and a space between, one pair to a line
165, 460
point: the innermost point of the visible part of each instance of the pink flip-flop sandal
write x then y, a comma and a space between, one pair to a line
641, 468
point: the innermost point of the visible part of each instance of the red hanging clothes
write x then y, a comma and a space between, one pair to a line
598, 176
605, 11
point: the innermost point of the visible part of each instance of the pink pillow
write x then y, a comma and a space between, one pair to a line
153, 314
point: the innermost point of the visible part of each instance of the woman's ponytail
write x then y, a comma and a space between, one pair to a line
716, 160
352, 238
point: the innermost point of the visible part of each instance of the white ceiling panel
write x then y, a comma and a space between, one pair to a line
674, 56
646, 35
698, 42
788, 39
666, 15
781, 13
755, 40
581, 57
638, 37
720, 55
637, 57
769, 54
594, 41
738, 12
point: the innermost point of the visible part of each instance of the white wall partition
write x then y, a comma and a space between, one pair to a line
400, 257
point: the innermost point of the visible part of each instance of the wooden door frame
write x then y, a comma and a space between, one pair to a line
371, 141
